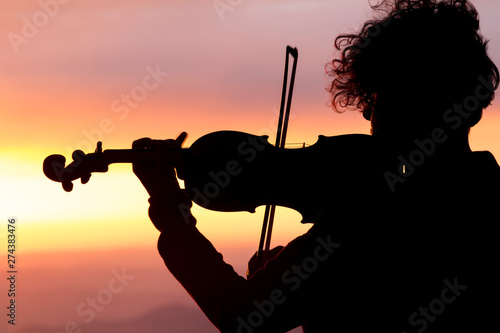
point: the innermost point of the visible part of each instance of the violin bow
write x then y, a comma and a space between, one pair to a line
267, 225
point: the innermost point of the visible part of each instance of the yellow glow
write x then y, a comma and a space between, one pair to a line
109, 212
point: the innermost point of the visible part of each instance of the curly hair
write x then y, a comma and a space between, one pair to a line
426, 52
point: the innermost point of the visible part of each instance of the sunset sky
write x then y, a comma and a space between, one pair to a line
75, 72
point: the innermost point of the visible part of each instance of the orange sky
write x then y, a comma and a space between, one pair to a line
66, 85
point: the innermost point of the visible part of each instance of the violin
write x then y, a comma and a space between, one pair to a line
225, 171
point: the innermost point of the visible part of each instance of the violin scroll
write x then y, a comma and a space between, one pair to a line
54, 167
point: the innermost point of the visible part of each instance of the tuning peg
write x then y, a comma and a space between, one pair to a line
78, 155
67, 186
85, 178
98, 149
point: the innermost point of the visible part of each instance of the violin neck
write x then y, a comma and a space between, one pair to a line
110, 156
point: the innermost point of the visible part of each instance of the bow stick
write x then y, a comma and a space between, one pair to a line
267, 226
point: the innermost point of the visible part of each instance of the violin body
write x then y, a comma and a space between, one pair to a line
233, 171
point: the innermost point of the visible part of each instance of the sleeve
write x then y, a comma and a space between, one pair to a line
274, 299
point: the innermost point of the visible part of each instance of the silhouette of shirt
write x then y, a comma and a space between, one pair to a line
415, 257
